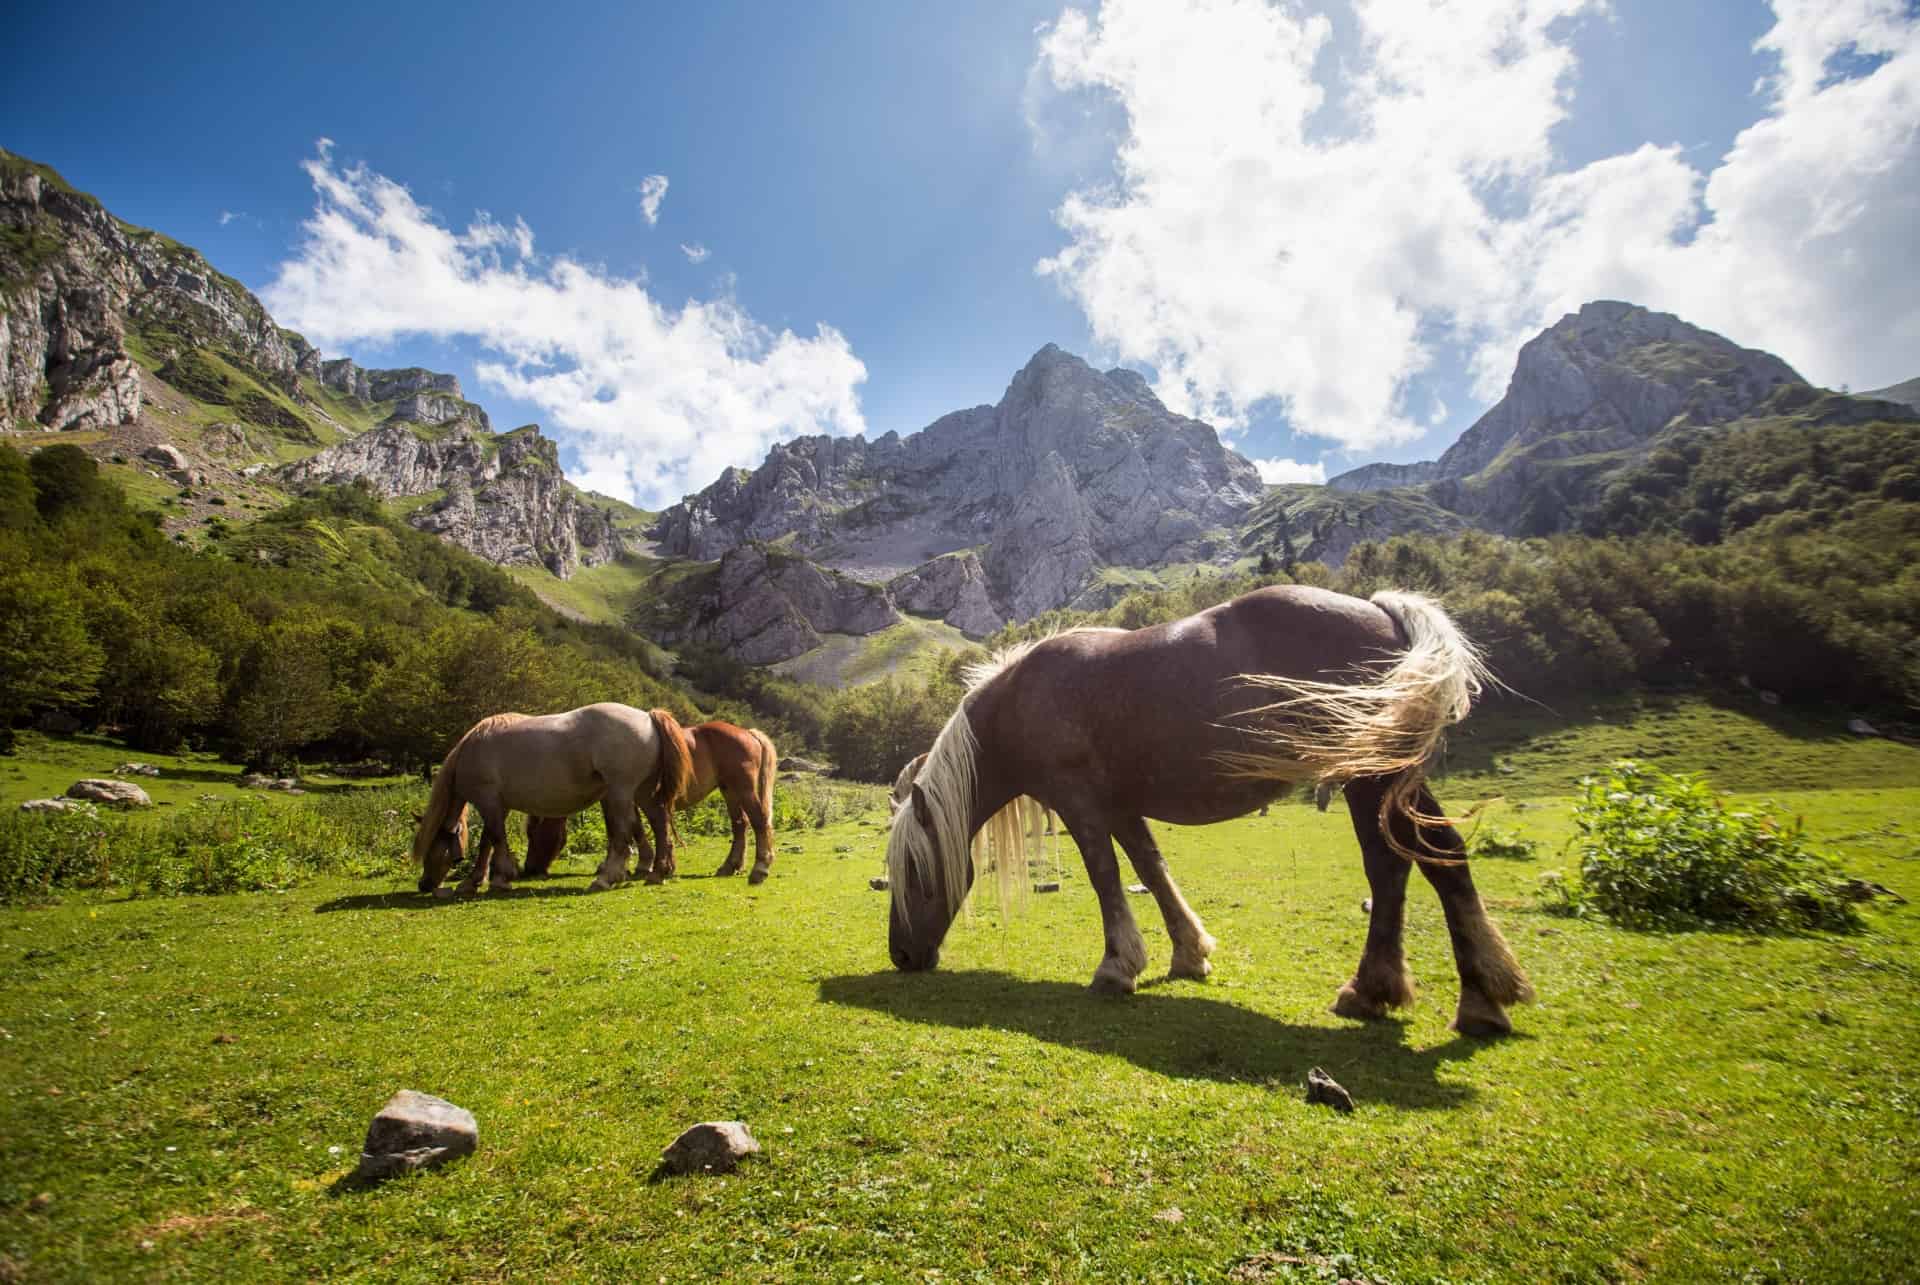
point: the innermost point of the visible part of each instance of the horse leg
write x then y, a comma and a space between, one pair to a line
664, 866
1490, 977
737, 819
1192, 943
643, 853
1126, 954
493, 831
1381, 981
619, 818
503, 869
762, 837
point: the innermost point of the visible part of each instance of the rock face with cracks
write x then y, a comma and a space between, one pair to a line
416, 1131
123, 794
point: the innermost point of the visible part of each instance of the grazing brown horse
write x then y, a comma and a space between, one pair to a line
1198, 721
740, 762
628, 761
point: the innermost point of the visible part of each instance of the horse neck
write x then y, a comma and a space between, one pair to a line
992, 790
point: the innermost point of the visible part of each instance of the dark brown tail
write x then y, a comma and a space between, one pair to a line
676, 761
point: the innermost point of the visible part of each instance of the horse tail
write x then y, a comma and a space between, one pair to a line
441, 802
676, 762
1389, 727
769, 766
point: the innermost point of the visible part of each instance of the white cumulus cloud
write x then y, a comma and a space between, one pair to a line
655, 400
1273, 471
695, 252
1290, 227
653, 190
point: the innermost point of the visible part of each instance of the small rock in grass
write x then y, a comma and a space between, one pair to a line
1171, 1214
1322, 1088
1861, 727
50, 805
40, 1202
1136, 888
714, 1146
1366, 905
223, 1038
879, 883
136, 769
1051, 885
415, 1131
119, 793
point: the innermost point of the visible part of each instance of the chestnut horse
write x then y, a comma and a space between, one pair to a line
1197, 721
624, 759
740, 762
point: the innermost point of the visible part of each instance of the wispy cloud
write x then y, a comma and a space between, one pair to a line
241, 216
653, 190
1248, 254
695, 252
655, 400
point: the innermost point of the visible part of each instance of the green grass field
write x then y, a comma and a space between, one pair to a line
187, 1080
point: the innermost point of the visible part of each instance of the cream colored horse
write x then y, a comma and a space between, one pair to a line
628, 761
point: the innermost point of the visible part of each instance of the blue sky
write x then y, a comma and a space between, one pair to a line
895, 173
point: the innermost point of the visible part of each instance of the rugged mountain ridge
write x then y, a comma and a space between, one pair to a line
112, 327
1071, 471
1588, 394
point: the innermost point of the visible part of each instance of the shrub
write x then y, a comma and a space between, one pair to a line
1499, 844
1662, 851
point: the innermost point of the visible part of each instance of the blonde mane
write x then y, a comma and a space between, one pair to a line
947, 781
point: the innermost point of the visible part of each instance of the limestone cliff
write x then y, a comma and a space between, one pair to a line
1073, 469
1587, 395
502, 497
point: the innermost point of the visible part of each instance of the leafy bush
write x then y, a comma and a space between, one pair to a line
1663, 851
1494, 842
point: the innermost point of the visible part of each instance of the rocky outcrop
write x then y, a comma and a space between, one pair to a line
768, 606
437, 408
505, 498
72, 277
1071, 470
952, 587
1591, 391
1384, 477
1907, 393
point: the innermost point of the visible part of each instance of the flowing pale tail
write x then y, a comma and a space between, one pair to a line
1388, 726
769, 767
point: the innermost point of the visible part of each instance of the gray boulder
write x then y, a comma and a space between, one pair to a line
136, 769
165, 456
952, 587
715, 1146
416, 1131
52, 805
116, 793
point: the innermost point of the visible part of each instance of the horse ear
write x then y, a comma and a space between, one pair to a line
921, 810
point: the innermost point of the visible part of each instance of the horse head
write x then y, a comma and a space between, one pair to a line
930, 868
443, 851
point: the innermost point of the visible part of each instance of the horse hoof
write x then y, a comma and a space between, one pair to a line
443, 893
1190, 970
1480, 1017
758, 876
601, 884
1110, 983
1348, 1003
724, 871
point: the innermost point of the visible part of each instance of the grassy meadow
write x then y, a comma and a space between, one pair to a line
185, 1081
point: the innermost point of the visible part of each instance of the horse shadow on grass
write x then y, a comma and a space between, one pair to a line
409, 899
1171, 1030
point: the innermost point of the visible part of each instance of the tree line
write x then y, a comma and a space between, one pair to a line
105, 620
